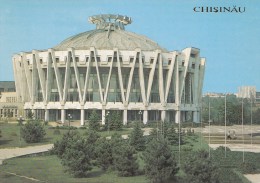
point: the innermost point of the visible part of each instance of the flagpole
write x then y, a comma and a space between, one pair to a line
225, 125
243, 130
209, 126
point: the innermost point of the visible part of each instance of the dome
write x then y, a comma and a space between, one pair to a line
109, 35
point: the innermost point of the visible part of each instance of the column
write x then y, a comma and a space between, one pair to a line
163, 115
63, 114
82, 117
46, 115
195, 116
125, 117
103, 116
177, 116
145, 116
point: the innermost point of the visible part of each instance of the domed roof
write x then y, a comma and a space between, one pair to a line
108, 36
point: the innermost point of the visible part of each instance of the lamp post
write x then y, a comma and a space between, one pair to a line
20, 122
106, 119
69, 117
140, 113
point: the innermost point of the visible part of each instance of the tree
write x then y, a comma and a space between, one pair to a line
160, 163
124, 159
77, 152
33, 131
77, 156
104, 153
136, 138
199, 168
114, 121
94, 121
172, 136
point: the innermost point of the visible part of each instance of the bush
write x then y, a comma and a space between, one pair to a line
136, 137
94, 121
33, 131
56, 132
247, 168
199, 168
160, 163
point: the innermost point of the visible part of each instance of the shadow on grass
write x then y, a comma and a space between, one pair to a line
96, 173
2, 142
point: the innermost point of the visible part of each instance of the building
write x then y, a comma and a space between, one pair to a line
10, 107
109, 69
247, 92
6, 86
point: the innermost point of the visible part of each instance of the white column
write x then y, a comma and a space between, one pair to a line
145, 116
46, 115
195, 116
163, 115
177, 116
63, 114
103, 116
125, 117
82, 117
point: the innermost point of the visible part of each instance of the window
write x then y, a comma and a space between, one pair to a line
77, 59
182, 63
151, 60
193, 55
98, 59
131, 59
28, 62
87, 59
193, 66
57, 59
120, 59
169, 62
109, 59
40, 60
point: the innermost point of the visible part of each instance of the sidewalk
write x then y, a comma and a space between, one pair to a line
15, 152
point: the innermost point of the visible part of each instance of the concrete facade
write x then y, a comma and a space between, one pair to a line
109, 69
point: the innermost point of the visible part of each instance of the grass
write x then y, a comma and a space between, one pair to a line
11, 135
49, 169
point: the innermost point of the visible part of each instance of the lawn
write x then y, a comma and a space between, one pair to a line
49, 169
11, 135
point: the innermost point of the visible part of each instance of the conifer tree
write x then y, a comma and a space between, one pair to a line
94, 121
136, 138
160, 163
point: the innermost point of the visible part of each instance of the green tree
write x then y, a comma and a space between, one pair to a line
199, 168
33, 131
114, 121
94, 121
77, 156
61, 145
124, 159
104, 153
172, 136
159, 160
136, 138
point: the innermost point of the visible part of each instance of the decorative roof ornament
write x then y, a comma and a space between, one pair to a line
110, 22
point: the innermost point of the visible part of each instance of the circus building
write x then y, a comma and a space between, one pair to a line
109, 69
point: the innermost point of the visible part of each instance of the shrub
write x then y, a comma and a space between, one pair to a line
199, 168
160, 163
136, 137
33, 131
56, 132
94, 121
247, 168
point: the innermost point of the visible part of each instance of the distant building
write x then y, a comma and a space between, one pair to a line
7, 86
257, 97
247, 92
110, 69
10, 106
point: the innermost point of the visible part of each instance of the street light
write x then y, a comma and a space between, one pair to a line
20, 122
140, 113
106, 119
69, 117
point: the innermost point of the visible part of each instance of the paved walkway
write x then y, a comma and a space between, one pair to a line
15, 152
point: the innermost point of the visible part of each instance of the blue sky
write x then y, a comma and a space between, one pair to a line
229, 41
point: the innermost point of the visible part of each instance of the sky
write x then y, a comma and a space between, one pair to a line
229, 41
